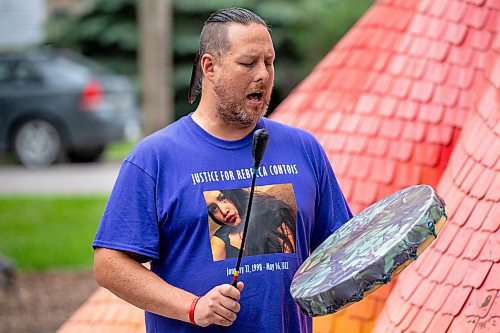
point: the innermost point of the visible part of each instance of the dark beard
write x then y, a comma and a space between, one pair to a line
231, 112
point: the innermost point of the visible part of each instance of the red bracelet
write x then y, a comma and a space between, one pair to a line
191, 310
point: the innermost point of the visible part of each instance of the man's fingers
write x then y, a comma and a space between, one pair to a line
228, 290
226, 314
230, 304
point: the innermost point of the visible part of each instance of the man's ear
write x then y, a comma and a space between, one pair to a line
207, 64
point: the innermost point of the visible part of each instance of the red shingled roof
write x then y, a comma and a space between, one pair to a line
387, 103
103, 312
455, 286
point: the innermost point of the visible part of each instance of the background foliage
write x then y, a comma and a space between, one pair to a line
303, 32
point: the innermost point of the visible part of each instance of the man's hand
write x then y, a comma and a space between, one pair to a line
218, 306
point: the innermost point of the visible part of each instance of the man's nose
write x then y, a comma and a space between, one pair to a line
262, 72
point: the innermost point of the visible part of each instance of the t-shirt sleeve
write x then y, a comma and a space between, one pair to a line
332, 210
129, 222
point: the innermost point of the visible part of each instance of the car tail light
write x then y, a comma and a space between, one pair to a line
91, 97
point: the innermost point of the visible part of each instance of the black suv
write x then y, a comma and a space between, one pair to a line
57, 104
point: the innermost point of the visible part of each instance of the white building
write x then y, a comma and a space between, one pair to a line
21, 23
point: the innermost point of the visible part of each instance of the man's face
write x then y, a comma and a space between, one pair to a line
244, 75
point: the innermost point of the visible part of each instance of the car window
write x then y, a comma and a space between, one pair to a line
4, 72
62, 71
24, 73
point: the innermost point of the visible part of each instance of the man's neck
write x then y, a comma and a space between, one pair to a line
209, 120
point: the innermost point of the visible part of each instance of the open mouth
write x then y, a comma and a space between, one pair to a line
255, 97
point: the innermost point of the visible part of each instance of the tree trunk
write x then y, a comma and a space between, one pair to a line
155, 56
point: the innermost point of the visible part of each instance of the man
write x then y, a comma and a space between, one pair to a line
157, 211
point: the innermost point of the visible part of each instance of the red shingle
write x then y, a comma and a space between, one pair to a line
378, 147
460, 56
446, 237
422, 91
400, 313
438, 8
415, 68
415, 131
454, 33
438, 297
457, 272
460, 77
463, 324
456, 300
367, 103
388, 107
407, 110
356, 145
478, 270
333, 121
401, 150
492, 281
408, 174
480, 40
426, 264
440, 323
487, 325
430, 113
360, 168
419, 47
475, 245
493, 193
418, 24
391, 128
422, 321
464, 210
490, 250
350, 123
476, 17
447, 96
440, 134
369, 125
442, 269
479, 303
483, 183
455, 11
427, 154
369, 191
479, 215
383, 171
407, 283
458, 245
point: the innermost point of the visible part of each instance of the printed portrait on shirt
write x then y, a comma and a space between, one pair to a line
272, 225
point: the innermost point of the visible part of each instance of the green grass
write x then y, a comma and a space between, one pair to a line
117, 151
41, 233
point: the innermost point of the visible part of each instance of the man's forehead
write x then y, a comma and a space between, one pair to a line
241, 33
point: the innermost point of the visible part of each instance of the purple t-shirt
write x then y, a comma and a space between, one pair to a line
159, 209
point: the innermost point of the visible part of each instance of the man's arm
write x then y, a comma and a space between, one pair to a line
122, 273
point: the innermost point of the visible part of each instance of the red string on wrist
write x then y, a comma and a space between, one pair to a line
191, 310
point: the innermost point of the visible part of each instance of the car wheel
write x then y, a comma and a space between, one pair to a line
86, 155
37, 143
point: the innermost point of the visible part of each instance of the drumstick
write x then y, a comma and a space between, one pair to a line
260, 139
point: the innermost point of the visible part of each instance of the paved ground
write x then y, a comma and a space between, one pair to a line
59, 179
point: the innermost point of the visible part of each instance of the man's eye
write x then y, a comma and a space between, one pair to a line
246, 64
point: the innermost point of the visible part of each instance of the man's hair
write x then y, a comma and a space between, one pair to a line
213, 39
